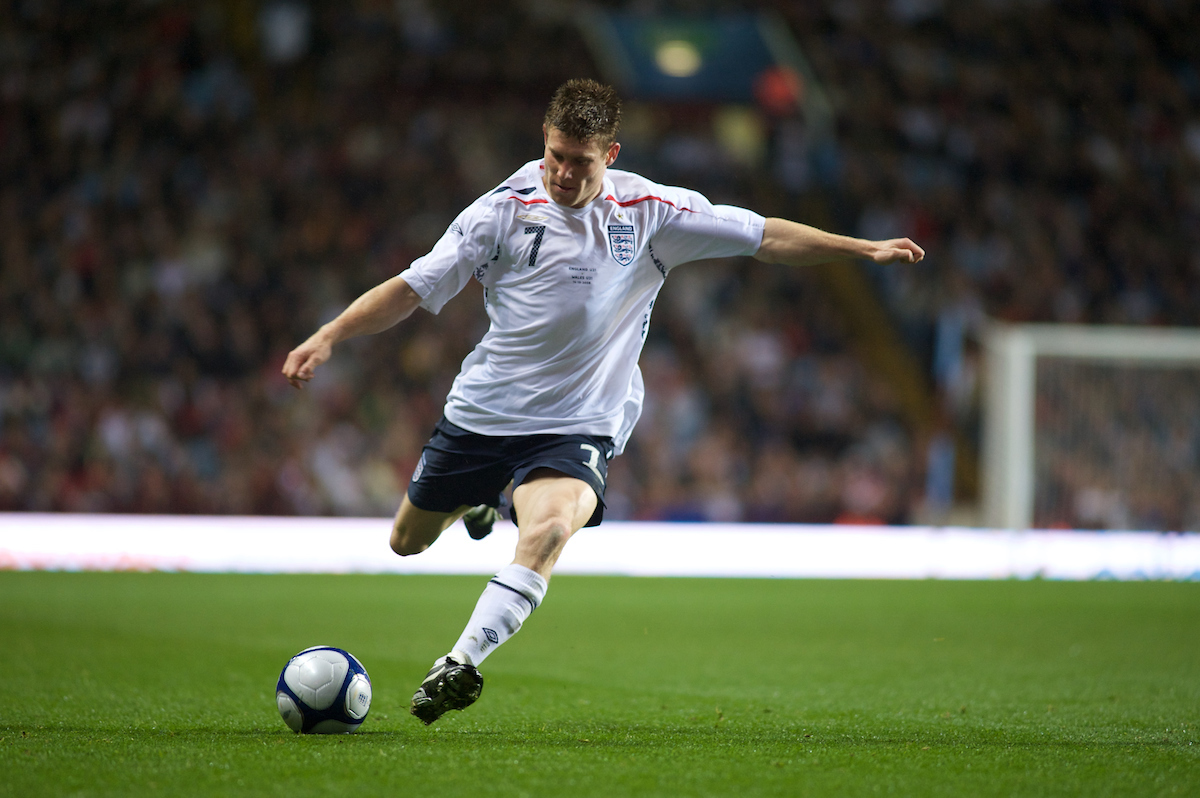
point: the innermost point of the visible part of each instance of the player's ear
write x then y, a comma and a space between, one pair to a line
613, 150
545, 134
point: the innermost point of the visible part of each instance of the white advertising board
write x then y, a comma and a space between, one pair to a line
67, 542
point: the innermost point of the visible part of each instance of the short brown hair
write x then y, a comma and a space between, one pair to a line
585, 110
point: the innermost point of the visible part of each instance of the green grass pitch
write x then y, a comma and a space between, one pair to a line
163, 684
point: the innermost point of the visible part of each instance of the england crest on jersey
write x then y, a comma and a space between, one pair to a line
621, 243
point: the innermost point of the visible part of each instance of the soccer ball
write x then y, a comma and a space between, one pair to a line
323, 690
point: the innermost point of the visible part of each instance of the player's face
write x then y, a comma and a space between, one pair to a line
575, 169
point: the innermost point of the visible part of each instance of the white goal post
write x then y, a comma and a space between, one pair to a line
1021, 360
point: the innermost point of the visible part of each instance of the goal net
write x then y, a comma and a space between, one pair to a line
1092, 428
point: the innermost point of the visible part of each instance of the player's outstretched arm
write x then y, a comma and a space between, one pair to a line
378, 309
795, 244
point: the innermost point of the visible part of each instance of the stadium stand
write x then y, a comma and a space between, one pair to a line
187, 190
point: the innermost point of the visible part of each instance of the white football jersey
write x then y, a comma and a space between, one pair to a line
569, 293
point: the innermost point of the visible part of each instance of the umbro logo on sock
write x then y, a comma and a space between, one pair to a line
491, 635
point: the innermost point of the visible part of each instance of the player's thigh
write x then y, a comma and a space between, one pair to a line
541, 467
415, 530
549, 496
550, 508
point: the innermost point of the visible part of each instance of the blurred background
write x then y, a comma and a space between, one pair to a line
187, 190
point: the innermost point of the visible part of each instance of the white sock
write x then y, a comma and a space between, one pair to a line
506, 602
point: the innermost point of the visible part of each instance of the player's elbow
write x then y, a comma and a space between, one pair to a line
767, 254
777, 246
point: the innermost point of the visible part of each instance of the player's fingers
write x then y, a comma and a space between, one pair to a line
905, 251
300, 377
292, 364
309, 367
298, 368
894, 254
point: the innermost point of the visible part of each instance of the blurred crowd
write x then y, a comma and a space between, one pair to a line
187, 190
1047, 156
1114, 450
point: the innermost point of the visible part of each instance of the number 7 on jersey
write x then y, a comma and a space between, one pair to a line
538, 230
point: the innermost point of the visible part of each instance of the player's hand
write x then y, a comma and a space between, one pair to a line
302, 361
897, 250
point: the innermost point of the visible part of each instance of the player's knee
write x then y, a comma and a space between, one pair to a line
405, 541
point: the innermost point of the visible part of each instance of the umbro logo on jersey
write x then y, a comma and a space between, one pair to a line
621, 243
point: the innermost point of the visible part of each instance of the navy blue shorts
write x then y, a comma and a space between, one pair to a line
460, 468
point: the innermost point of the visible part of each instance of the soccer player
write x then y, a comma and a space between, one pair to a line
571, 255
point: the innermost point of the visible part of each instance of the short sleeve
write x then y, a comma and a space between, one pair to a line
468, 243
700, 230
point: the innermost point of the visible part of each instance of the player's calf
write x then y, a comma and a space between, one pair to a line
539, 547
